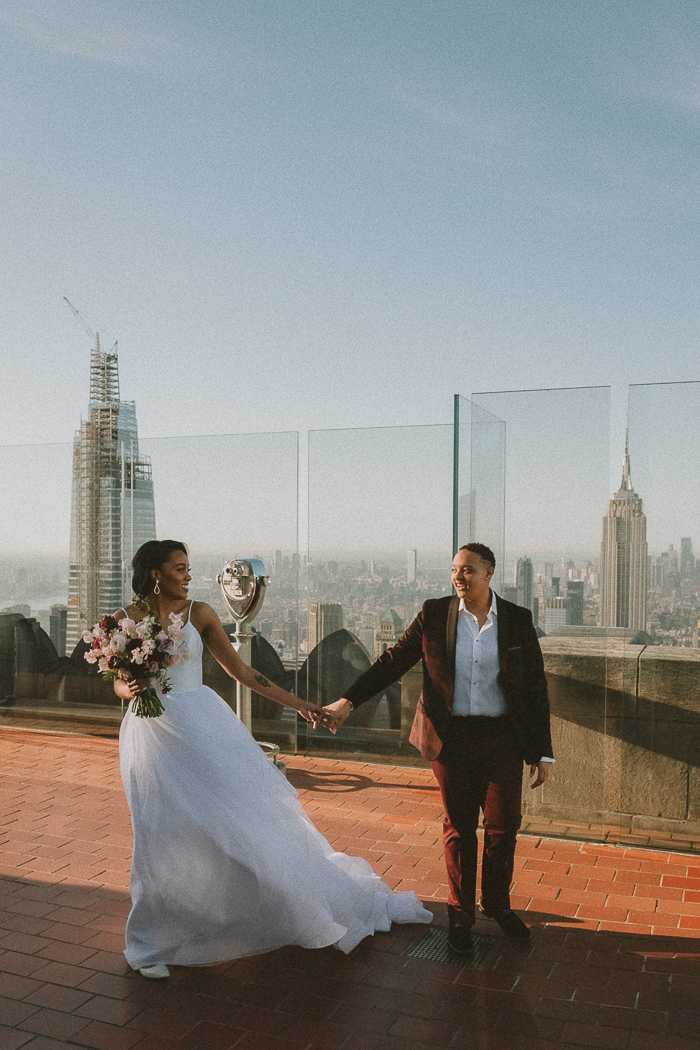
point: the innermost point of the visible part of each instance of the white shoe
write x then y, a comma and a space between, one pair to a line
156, 972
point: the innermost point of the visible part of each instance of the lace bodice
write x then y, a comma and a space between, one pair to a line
186, 675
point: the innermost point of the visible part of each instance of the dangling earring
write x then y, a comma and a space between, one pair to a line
156, 589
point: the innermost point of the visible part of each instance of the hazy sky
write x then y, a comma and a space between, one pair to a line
311, 214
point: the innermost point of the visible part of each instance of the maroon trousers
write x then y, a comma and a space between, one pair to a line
479, 769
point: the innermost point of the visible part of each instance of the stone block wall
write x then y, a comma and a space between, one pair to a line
626, 734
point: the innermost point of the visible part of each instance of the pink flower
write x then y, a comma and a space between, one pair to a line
130, 646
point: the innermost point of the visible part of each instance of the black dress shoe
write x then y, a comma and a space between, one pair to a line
511, 924
459, 938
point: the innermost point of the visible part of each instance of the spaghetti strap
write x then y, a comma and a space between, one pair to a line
189, 612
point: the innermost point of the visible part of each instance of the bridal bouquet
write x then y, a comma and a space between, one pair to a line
127, 649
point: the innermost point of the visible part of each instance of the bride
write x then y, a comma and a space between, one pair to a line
225, 861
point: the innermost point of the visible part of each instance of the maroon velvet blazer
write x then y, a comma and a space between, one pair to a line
432, 638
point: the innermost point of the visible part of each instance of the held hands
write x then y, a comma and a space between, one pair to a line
542, 769
334, 715
311, 712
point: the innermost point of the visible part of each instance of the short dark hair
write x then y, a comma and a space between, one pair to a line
152, 555
484, 552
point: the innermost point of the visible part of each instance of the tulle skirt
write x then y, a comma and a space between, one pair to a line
225, 862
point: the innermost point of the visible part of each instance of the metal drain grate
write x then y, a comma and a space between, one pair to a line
433, 945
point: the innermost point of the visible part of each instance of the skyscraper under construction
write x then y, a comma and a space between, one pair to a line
112, 508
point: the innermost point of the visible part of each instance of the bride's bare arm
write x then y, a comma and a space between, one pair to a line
214, 636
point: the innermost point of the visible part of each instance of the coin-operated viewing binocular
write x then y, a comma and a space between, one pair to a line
243, 582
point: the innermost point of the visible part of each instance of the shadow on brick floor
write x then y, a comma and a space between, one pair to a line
614, 959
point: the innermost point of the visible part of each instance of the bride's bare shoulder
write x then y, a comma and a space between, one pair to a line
134, 612
202, 614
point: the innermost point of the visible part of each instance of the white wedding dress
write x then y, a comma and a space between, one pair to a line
225, 862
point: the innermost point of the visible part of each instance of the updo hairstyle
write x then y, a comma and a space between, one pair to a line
152, 555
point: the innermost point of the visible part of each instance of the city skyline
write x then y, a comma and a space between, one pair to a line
367, 588
242, 494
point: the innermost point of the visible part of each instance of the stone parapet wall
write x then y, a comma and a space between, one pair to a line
626, 734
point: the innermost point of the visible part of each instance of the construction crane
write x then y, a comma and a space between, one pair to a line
80, 317
86, 326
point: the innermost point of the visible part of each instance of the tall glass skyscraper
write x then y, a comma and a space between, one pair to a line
524, 584
623, 558
112, 507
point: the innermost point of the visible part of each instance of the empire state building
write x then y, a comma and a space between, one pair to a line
623, 557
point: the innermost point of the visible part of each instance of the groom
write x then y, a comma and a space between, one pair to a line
483, 711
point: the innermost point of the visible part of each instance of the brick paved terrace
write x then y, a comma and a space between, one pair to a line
614, 960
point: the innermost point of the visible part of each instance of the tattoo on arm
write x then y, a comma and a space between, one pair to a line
262, 680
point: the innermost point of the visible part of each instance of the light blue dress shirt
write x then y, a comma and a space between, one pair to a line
477, 691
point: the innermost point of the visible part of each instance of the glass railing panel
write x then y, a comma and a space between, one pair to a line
557, 494
479, 485
37, 670
660, 728
74, 515
379, 545
235, 497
